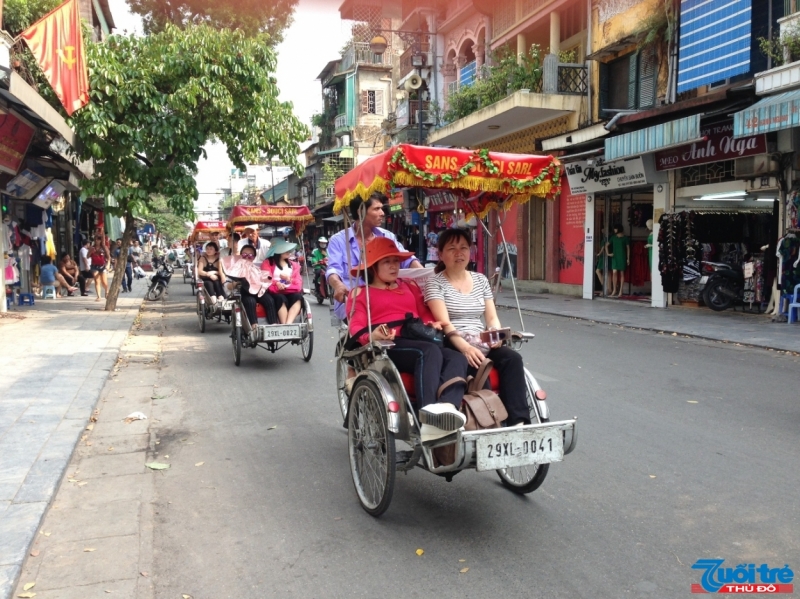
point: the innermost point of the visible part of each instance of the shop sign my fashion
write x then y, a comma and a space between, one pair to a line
719, 145
586, 178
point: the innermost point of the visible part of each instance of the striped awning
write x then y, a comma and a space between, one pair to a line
773, 113
655, 138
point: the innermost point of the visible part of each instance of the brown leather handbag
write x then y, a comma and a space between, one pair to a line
482, 407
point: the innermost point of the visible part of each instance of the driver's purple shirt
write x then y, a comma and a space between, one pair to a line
337, 260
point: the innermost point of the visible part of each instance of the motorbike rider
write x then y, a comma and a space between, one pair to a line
319, 259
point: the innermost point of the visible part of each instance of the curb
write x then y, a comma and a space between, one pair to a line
666, 331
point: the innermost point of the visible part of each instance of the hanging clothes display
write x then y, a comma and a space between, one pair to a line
639, 271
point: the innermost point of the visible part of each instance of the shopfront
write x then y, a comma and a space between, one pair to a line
725, 209
618, 199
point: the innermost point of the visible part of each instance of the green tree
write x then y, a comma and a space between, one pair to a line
249, 16
157, 100
171, 226
18, 15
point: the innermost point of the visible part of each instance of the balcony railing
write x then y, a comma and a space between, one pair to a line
360, 53
572, 79
405, 58
340, 122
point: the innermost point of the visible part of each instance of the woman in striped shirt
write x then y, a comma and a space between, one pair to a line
464, 300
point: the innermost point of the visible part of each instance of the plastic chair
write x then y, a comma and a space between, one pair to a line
49, 292
794, 307
26, 298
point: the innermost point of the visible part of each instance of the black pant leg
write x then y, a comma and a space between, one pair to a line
513, 391
129, 275
454, 364
267, 302
249, 304
424, 360
82, 283
209, 285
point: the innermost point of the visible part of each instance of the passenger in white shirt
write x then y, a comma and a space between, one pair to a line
250, 237
85, 265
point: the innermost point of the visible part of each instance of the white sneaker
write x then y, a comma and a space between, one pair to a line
439, 420
213, 299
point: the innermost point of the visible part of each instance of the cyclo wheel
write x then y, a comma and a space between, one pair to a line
201, 315
341, 380
330, 294
371, 448
307, 344
236, 339
526, 479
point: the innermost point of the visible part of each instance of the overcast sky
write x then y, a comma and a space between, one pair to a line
314, 38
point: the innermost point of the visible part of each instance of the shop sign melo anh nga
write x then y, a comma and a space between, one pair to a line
719, 145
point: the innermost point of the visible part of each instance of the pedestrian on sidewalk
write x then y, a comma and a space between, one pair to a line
99, 259
85, 264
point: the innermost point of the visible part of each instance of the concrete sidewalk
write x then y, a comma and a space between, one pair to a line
55, 357
729, 326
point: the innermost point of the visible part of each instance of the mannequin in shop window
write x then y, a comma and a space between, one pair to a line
649, 244
601, 257
619, 250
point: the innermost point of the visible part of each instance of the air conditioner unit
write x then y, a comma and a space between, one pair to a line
425, 117
754, 166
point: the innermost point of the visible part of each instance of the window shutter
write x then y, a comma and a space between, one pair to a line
633, 72
364, 102
648, 78
379, 102
604, 87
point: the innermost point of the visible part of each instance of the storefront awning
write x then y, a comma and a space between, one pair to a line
652, 139
23, 93
575, 138
334, 219
773, 113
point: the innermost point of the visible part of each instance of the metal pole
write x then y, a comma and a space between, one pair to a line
272, 174
3, 262
507, 259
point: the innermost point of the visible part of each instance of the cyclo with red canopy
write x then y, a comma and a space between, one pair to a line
271, 337
206, 308
380, 407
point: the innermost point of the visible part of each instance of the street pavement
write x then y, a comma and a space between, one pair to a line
55, 357
684, 453
731, 326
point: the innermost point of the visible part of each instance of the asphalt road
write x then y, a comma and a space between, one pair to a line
687, 450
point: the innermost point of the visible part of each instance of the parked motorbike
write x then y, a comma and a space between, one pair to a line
160, 280
724, 286
322, 290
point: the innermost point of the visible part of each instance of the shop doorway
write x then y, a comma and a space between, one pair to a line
622, 262
536, 234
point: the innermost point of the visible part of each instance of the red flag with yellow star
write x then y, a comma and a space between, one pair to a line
57, 44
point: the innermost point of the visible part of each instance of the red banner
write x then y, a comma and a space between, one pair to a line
719, 145
296, 216
56, 42
571, 217
15, 137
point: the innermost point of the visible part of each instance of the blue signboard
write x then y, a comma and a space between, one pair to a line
714, 42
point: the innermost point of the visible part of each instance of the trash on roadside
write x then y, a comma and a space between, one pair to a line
134, 416
157, 466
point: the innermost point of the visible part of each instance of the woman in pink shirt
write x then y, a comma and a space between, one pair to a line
287, 283
390, 300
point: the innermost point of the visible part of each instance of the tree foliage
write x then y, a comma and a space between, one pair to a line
249, 16
157, 100
18, 15
171, 226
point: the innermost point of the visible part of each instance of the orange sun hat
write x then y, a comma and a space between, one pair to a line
378, 249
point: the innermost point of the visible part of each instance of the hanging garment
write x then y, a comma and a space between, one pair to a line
639, 272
